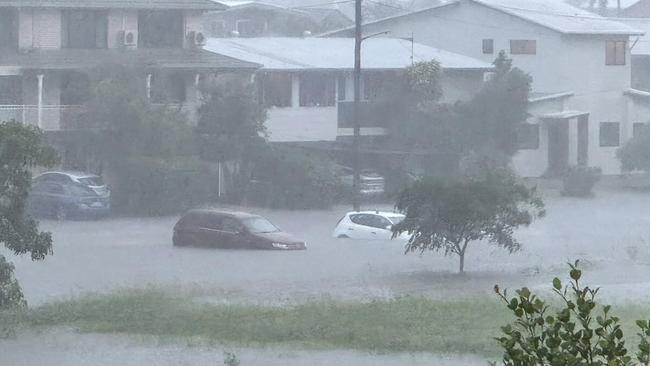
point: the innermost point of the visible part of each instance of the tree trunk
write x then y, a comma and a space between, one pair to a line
462, 263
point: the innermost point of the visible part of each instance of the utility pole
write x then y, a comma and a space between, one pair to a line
356, 182
618, 8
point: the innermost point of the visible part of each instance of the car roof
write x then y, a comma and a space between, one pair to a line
382, 213
209, 211
71, 174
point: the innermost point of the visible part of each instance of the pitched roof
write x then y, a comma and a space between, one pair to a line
553, 14
642, 45
116, 4
67, 59
279, 53
560, 16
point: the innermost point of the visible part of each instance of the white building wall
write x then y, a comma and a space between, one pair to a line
121, 21
39, 28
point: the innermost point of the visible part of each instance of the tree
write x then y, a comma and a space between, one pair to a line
449, 214
21, 149
635, 154
581, 332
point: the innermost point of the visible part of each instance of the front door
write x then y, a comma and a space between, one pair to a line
583, 140
558, 147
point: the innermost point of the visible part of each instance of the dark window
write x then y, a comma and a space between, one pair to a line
361, 219
49, 187
209, 221
317, 90
11, 89
523, 47
230, 225
54, 177
341, 88
8, 28
168, 87
528, 137
615, 52
85, 29
609, 134
488, 46
78, 190
378, 222
160, 29
250, 28
639, 129
373, 86
276, 90
75, 88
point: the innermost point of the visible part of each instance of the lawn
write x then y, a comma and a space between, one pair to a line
406, 324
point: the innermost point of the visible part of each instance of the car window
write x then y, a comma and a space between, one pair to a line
361, 219
92, 181
260, 225
78, 190
210, 222
49, 187
54, 177
378, 222
230, 225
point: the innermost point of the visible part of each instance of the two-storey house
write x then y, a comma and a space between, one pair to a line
581, 107
307, 82
46, 45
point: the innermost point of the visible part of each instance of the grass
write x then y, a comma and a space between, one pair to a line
405, 324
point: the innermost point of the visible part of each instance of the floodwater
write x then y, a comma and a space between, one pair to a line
610, 234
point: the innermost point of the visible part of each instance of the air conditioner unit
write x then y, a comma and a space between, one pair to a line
196, 39
127, 38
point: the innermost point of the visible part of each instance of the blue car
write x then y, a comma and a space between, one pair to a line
54, 196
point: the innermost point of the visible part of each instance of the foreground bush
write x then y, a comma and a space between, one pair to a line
580, 332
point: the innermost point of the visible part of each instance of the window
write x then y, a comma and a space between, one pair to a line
317, 90
85, 29
528, 137
488, 46
639, 129
361, 219
615, 52
379, 222
160, 29
75, 88
373, 85
168, 87
11, 90
341, 88
218, 29
609, 134
249, 28
276, 90
8, 28
50, 188
230, 225
523, 47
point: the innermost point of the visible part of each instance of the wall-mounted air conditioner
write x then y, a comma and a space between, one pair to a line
127, 38
196, 39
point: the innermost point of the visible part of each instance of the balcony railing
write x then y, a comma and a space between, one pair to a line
52, 117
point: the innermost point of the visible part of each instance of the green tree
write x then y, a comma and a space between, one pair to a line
21, 149
581, 332
449, 214
635, 154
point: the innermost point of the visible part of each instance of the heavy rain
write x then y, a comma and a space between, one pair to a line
314, 182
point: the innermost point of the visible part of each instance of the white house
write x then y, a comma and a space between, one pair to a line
304, 80
581, 108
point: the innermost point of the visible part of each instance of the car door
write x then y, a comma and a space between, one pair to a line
381, 226
210, 231
360, 227
232, 233
48, 197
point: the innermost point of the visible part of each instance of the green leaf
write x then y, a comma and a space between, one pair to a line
575, 274
557, 284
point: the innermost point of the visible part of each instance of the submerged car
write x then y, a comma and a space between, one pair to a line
232, 230
61, 196
368, 225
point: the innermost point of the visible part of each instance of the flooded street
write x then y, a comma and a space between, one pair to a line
608, 232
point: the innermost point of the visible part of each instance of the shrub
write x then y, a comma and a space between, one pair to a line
293, 180
152, 186
580, 332
579, 181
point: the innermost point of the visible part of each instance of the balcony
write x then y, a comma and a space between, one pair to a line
47, 117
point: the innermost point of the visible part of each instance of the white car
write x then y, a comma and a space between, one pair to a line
368, 225
91, 181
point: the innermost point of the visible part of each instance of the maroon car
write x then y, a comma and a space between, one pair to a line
233, 230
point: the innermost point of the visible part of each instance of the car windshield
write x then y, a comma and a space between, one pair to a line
92, 181
260, 225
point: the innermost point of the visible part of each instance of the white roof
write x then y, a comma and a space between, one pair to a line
560, 16
382, 213
553, 14
279, 53
642, 45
